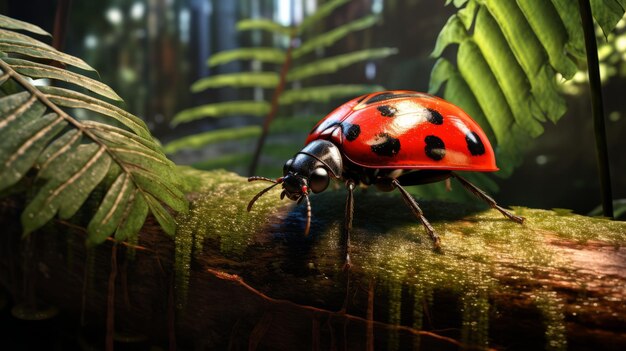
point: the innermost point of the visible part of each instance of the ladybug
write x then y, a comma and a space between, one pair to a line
388, 139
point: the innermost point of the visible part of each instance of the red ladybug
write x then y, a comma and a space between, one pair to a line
389, 139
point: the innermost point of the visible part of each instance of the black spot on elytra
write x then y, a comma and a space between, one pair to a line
474, 144
435, 148
390, 95
361, 98
351, 131
434, 117
387, 111
386, 145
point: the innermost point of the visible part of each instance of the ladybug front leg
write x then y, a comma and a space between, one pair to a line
417, 211
490, 201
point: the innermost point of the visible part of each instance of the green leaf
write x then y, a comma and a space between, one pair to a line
24, 143
200, 140
329, 38
11, 23
70, 157
10, 35
41, 50
570, 17
222, 109
66, 143
238, 80
164, 218
69, 181
510, 77
266, 55
16, 105
263, 24
133, 217
153, 184
72, 99
455, 29
531, 57
552, 34
335, 63
111, 209
322, 12
453, 32
326, 93
38, 70
110, 134
508, 55
607, 13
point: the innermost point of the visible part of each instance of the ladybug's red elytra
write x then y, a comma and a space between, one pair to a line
388, 139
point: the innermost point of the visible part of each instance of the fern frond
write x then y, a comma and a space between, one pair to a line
322, 12
222, 109
267, 55
263, 24
508, 55
335, 63
326, 93
200, 140
72, 157
38, 70
333, 36
237, 80
11, 23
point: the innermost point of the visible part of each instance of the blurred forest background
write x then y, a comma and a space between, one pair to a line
152, 51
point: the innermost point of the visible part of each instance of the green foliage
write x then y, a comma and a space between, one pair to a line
239, 80
69, 158
335, 63
221, 109
508, 56
266, 55
299, 69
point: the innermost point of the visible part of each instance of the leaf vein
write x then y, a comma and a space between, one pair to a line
118, 199
136, 152
60, 151
76, 175
28, 103
28, 143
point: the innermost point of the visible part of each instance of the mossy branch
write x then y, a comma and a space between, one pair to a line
254, 279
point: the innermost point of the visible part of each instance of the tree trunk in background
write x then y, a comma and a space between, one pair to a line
557, 282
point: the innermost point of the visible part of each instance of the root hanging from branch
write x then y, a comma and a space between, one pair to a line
316, 312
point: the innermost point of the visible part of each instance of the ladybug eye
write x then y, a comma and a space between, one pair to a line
287, 166
318, 180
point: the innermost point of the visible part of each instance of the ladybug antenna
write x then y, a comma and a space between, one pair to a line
257, 196
277, 180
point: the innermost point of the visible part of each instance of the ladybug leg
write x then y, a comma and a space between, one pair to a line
417, 211
490, 201
347, 228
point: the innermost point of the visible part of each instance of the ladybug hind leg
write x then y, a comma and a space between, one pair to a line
417, 211
490, 201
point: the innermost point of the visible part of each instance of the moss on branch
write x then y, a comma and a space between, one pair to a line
253, 278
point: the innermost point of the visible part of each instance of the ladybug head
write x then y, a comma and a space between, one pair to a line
311, 169
308, 171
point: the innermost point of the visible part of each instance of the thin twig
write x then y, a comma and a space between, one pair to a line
60, 27
595, 87
274, 109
